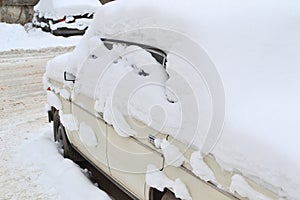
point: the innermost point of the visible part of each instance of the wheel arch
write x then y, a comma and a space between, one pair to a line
166, 194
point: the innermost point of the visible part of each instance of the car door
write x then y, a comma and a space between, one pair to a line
130, 154
91, 136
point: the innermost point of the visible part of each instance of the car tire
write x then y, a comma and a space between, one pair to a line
56, 123
60, 136
169, 196
69, 151
164, 195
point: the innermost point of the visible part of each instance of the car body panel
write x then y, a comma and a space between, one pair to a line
125, 159
128, 159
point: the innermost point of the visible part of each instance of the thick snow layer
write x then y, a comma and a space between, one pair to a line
180, 190
53, 100
14, 36
254, 46
79, 24
61, 175
57, 9
172, 154
65, 94
55, 68
157, 179
200, 168
239, 185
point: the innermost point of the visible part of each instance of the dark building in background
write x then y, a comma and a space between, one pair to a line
20, 11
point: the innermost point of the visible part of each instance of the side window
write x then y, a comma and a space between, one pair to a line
135, 71
159, 55
91, 70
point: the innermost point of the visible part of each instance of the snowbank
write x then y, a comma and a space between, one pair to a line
14, 36
60, 175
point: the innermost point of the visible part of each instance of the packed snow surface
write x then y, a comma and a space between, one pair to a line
254, 47
31, 164
14, 36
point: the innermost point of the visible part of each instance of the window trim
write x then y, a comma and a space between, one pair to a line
148, 48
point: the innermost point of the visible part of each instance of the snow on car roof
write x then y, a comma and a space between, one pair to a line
57, 8
254, 46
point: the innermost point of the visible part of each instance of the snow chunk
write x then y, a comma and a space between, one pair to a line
200, 168
65, 94
69, 121
172, 154
180, 190
87, 135
157, 179
53, 100
47, 107
56, 67
113, 116
240, 185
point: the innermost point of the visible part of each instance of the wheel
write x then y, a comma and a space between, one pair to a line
164, 195
56, 123
64, 142
69, 151
60, 136
169, 196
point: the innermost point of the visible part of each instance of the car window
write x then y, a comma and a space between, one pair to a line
159, 55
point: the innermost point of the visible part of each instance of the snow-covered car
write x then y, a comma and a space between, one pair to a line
64, 18
181, 103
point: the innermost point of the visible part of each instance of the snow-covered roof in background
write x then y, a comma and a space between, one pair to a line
58, 8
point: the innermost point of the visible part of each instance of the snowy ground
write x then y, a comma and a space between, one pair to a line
30, 164
15, 36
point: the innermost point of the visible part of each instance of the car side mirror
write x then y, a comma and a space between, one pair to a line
69, 77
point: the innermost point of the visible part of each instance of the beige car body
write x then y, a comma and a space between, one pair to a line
125, 159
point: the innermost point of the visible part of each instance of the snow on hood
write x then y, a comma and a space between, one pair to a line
57, 9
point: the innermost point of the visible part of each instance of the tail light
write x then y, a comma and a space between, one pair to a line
61, 20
